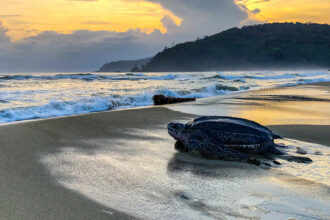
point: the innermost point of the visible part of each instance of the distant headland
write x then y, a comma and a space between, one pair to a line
124, 65
264, 46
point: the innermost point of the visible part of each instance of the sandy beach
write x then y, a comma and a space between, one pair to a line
122, 164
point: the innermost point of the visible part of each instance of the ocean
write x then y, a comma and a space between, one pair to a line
27, 96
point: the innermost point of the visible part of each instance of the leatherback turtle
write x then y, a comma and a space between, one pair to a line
221, 137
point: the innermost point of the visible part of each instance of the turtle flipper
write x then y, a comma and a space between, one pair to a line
297, 159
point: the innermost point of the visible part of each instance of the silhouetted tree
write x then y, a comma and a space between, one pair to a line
135, 69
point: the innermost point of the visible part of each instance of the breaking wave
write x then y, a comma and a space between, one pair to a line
96, 104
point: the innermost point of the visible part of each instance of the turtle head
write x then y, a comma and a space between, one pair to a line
177, 131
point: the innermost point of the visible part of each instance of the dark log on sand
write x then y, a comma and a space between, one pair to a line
164, 100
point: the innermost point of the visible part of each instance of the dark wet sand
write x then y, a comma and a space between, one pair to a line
319, 134
27, 190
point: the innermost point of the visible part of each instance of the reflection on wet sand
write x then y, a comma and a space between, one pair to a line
305, 104
218, 169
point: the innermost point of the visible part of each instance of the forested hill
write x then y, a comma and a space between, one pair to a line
265, 46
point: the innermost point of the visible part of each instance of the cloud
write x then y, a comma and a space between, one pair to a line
87, 50
3, 33
201, 17
168, 23
256, 11
97, 23
67, 16
79, 51
9, 16
286, 10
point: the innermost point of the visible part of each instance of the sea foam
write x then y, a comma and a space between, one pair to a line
96, 104
41, 95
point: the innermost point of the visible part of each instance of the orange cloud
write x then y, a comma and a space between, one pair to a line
30, 17
317, 11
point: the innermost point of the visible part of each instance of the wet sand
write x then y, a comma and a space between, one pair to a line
121, 164
309, 133
299, 112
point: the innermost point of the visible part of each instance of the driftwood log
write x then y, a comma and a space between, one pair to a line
164, 100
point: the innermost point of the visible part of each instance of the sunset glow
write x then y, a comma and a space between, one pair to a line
315, 11
30, 17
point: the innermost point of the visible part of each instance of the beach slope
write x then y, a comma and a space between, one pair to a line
122, 164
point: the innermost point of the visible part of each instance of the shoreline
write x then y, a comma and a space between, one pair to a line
235, 93
79, 166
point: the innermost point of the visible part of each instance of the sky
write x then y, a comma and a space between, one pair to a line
82, 35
